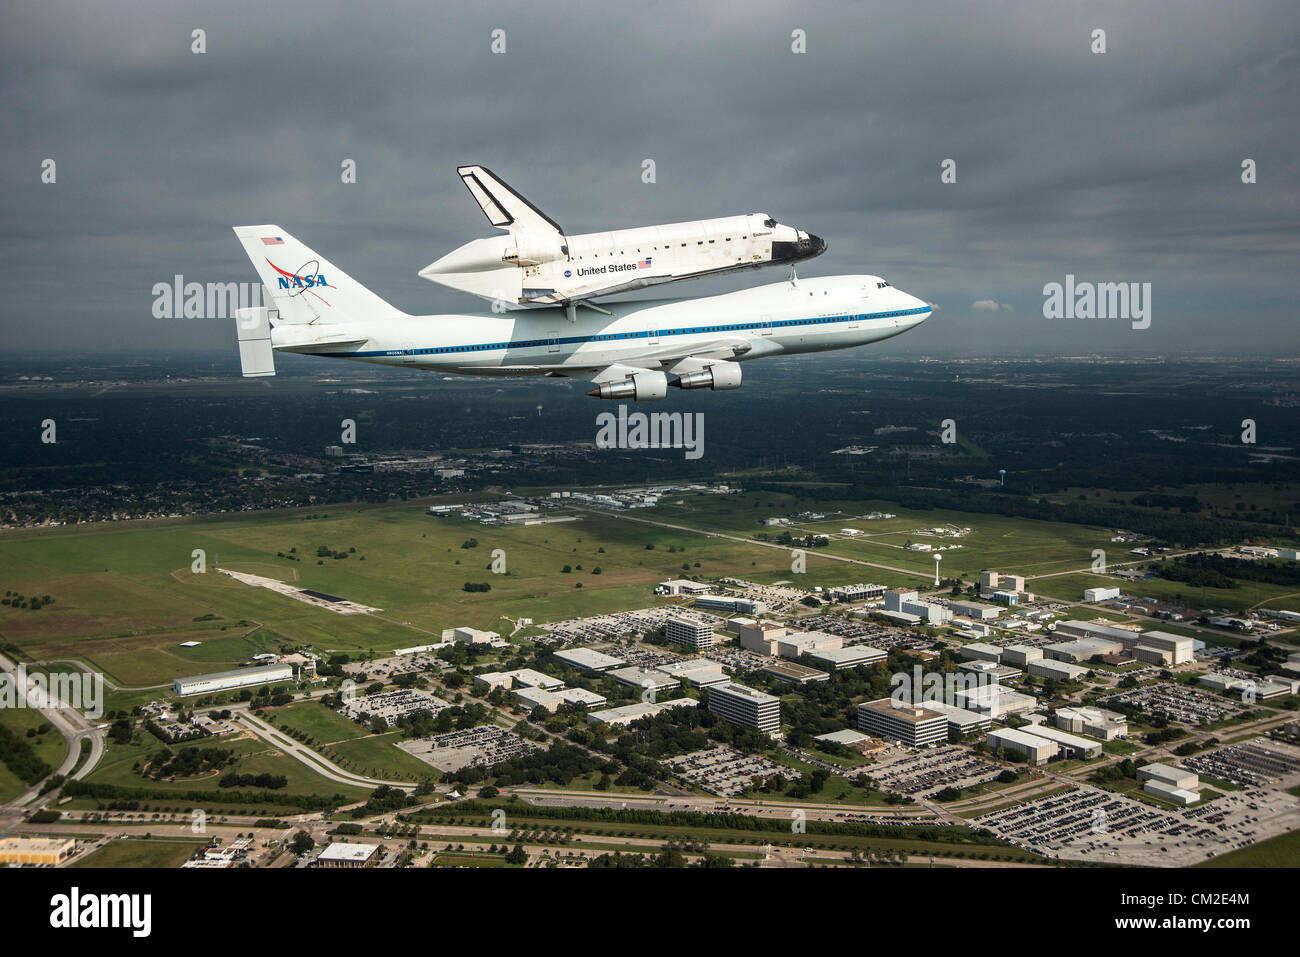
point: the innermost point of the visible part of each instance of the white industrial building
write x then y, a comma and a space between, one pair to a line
1100, 594
980, 652
1095, 722
1171, 783
1056, 670
995, 700
681, 586
850, 657
913, 726
648, 679
1032, 748
586, 659
796, 643
1021, 655
226, 680
745, 706
975, 609
700, 672
1073, 745
470, 636
628, 713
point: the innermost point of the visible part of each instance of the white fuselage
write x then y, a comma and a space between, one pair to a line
807, 315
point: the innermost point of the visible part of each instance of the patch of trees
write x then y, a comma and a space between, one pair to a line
264, 780
21, 758
477, 586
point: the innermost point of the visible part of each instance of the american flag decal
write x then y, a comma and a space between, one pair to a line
272, 241
644, 263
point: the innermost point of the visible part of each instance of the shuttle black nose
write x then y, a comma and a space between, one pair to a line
818, 244
798, 251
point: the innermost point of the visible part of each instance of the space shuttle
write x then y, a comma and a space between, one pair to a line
535, 263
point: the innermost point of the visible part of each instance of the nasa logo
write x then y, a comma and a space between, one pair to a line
301, 282
568, 274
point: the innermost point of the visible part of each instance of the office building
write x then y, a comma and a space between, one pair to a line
747, 707
912, 725
694, 634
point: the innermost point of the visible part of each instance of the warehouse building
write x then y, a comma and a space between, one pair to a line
989, 669
1071, 744
1032, 748
1056, 670
1021, 655
1100, 594
628, 713
700, 672
648, 679
747, 707
1082, 649
1092, 629
851, 657
226, 680
995, 700
37, 851
1173, 776
794, 673
797, 643
340, 854
1173, 784
913, 726
975, 609
694, 634
1178, 647
980, 652
585, 659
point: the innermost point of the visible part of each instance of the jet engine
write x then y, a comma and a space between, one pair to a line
640, 386
719, 376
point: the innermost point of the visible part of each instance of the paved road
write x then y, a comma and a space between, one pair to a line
74, 727
321, 765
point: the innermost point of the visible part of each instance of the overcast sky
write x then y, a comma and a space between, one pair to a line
1118, 167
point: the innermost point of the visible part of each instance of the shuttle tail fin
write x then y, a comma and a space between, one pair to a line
503, 207
304, 286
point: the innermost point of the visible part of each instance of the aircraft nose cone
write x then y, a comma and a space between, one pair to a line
818, 244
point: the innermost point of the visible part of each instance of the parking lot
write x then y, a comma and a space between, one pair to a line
1249, 763
724, 771
1178, 703
931, 771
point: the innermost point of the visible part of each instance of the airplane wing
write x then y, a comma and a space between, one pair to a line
503, 207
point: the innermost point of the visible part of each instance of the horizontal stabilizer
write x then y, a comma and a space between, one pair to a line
253, 328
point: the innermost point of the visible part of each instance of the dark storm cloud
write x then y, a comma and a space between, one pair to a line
1118, 167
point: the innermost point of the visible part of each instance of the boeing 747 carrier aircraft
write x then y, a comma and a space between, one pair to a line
629, 350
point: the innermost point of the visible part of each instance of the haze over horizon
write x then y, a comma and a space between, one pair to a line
1115, 167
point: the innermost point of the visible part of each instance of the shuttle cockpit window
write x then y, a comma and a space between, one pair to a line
769, 223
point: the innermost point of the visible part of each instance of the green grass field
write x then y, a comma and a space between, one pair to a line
51, 747
140, 853
254, 756
1280, 851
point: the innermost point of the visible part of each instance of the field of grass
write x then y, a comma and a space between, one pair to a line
126, 597
1280, 851
141, 853
324, 725
51, 747
253, 755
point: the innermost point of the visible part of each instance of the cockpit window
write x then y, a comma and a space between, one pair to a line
769, 223
881, 285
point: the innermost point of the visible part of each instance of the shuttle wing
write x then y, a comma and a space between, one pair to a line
503, 207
